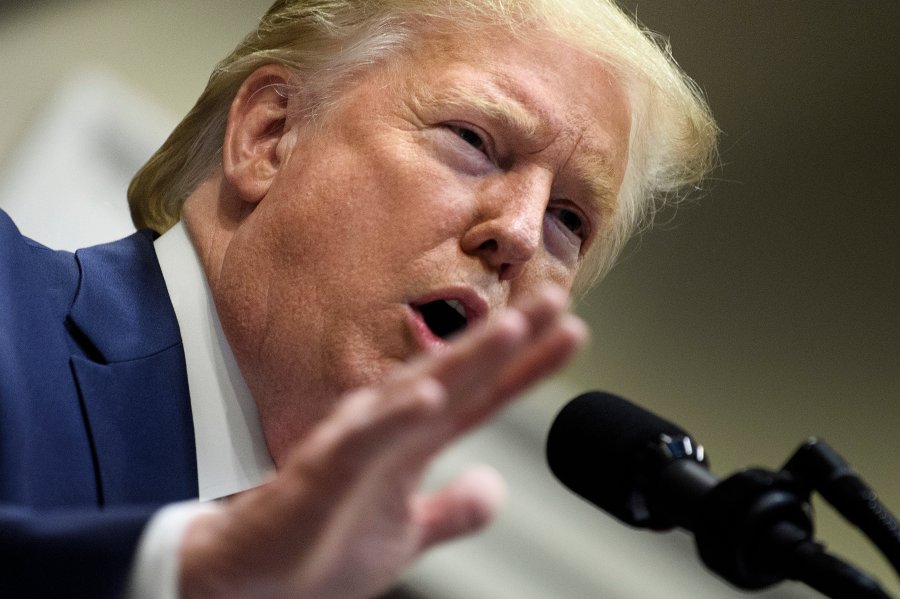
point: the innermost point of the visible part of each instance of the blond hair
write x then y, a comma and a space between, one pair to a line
326, 42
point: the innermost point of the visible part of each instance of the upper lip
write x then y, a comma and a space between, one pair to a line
477, 308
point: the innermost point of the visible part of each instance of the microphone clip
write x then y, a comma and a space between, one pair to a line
749, 525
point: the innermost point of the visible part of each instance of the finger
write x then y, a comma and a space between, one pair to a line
483, 351
408, 416
541, 358
465, 505
553, 338
477, 357
421, 406
543, 308
545, 356
464, 372
355, 435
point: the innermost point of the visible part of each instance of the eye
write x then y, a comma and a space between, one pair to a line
470, 137
571, 220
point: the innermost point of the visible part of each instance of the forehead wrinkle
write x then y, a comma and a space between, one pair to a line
499, 107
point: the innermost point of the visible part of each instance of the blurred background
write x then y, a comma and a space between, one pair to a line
761, 313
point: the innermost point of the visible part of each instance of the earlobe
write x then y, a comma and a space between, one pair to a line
257, 124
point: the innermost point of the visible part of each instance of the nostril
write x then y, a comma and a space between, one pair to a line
509, 271
488, 246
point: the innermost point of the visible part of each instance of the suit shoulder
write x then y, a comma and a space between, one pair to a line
29, 270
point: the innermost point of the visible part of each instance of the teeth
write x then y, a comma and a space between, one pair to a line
456, 305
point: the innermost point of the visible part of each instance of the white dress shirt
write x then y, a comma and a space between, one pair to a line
231, 451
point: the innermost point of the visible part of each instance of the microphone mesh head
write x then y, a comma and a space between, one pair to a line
601, 447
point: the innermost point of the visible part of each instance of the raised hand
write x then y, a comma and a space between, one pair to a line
343, 518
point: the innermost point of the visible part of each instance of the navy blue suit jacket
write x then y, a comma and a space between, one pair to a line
95, 419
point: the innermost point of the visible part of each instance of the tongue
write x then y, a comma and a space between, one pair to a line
442, 319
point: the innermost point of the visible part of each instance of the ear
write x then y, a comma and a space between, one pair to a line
252, 150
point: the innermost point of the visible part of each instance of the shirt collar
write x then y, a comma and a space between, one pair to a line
231, 449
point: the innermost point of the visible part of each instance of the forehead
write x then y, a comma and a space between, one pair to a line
568, 106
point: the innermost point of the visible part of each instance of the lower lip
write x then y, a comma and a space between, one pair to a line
426, 340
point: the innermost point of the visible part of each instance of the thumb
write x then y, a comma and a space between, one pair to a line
467, 504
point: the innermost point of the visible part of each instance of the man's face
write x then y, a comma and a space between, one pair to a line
427, 202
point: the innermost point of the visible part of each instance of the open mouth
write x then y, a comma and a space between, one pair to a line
444, 317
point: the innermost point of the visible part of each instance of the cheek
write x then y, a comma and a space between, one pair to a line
561, 244
537, 275
409, 209
557, 263
344, 213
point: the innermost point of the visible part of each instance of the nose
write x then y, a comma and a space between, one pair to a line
507, 231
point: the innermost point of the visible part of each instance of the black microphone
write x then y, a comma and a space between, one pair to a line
753, 528
640, 468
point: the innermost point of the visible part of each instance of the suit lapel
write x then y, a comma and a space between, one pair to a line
130, 374
144, 441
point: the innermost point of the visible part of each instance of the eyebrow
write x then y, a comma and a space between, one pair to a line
500, 107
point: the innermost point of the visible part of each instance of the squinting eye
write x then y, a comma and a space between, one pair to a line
571, 221
470, 137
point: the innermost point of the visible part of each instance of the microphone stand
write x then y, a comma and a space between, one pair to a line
817, 467
755, 528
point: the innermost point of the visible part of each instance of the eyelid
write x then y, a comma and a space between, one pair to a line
587, 223
489, 149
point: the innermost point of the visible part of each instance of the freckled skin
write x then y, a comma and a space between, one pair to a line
390, 201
